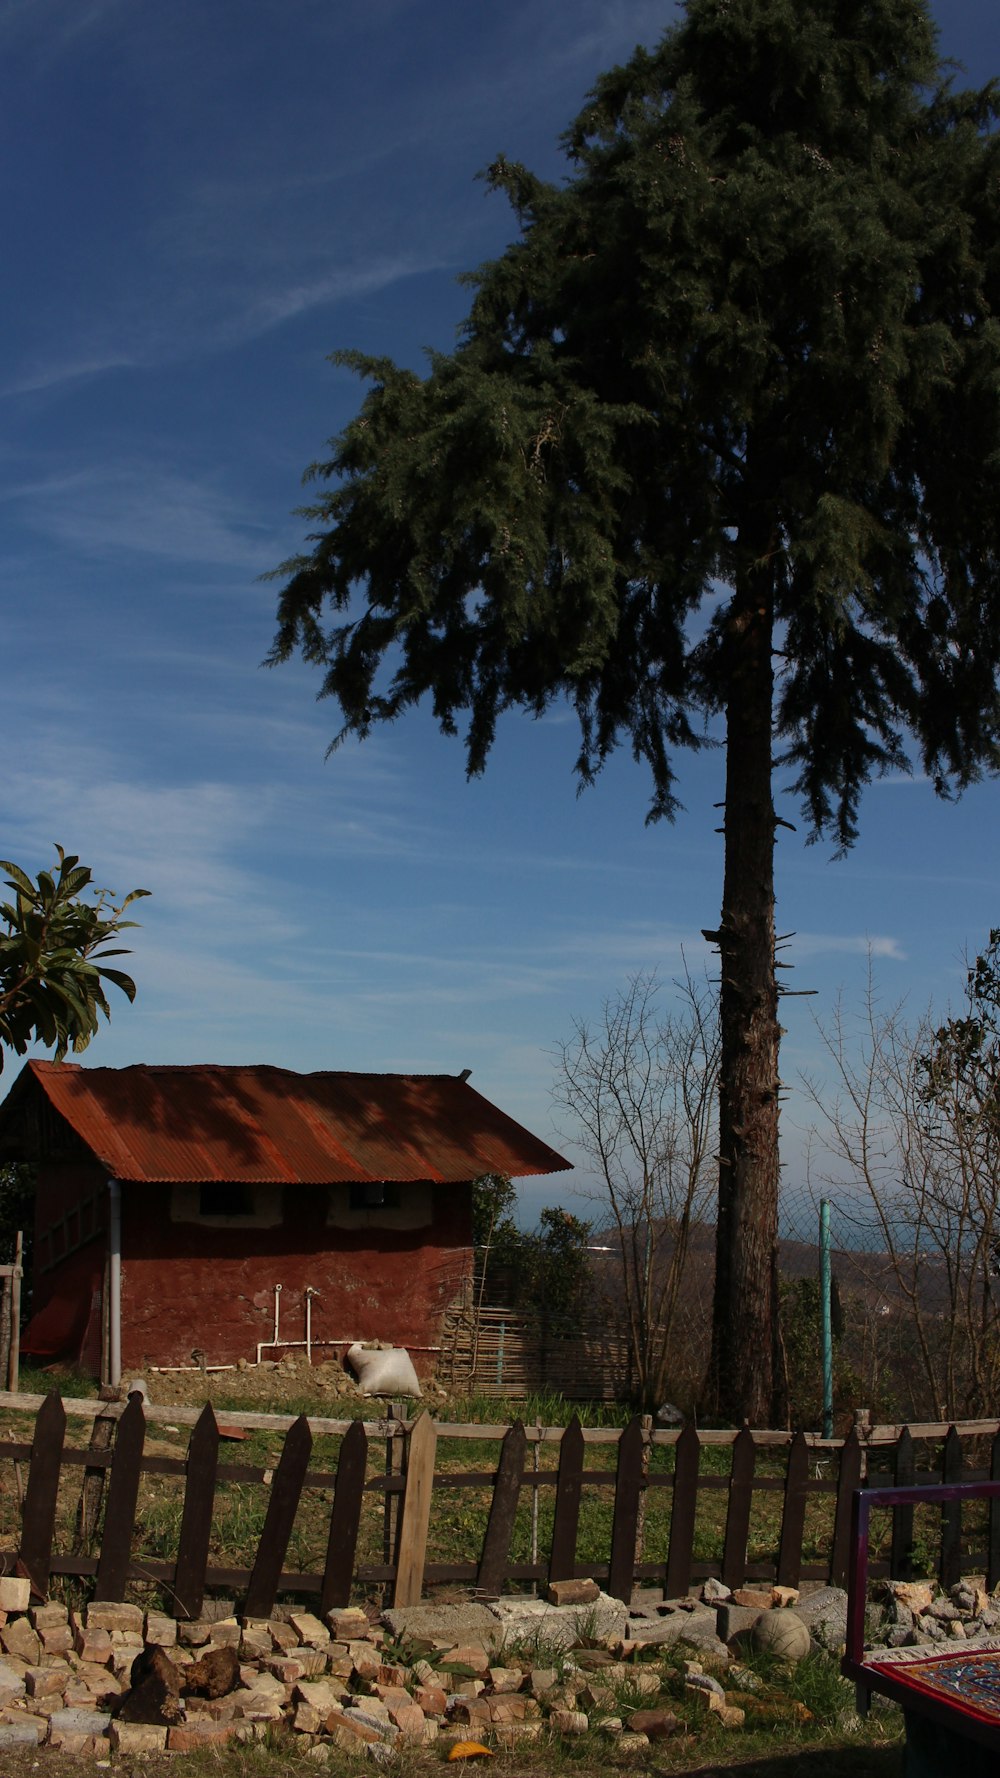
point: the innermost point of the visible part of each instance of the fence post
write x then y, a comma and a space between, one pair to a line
395, 1453
734, 1551
345, 1518
794, 1513
647, 1451
562, 1558
123, 1493
39, 1517
88, 1509
848, 1478
683, 1507
951, 1511
6, 1318
904, 1475
624, 1526
503, 1509
993, 1552
196, 1519
14, 1349
286, 1489
416, 1513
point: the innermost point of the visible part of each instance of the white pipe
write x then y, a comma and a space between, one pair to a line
262, 1345
310, 1293
114, 1282
161, 1368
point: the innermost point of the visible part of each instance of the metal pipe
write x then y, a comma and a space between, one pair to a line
114, 1282
161, 1369
825, 1316
311, 1291
262, 1345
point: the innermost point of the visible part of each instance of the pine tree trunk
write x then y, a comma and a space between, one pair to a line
741, 1379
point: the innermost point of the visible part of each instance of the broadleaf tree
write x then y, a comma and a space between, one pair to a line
55, 943
716, 453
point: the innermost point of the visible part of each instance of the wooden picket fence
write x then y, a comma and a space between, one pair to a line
408, 1481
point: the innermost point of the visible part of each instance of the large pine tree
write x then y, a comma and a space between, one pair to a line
720, 441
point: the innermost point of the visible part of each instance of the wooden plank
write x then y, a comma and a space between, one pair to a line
86, 1408
951, 1512
14, 1350
196, 1520
562, 1559
97, 1460
904, 1475
39, 1515
734, 1549
503, 1509
625, 1524
993, 1546
345, 1519
793, 1517
119, 1512
848, 1478
683, 1510
281, 1509
416, 1513
395, 1453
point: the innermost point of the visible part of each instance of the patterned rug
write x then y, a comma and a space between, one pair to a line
966, 1679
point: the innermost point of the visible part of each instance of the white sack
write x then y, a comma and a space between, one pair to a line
383, 1373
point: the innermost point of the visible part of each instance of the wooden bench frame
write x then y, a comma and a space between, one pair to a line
950, 1497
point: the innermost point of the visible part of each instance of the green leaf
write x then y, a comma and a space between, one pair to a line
18, 879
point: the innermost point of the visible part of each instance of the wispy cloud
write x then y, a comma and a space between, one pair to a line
57, 372
861, 944
271, 307
182, 310
143, 510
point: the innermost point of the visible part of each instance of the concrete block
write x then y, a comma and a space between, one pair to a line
137, 1737
115, 1615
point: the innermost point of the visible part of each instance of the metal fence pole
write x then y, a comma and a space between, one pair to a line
826, 1326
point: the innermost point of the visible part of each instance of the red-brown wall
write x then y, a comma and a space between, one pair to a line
188, 1287
66, 1297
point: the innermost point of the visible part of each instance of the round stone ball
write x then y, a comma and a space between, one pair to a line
781, 1633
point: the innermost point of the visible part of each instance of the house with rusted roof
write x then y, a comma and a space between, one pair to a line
237, 1212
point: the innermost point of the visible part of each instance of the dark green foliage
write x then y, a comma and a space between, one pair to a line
494, 1198
769, 286
545, 1271
720, 440
563, 1269
53, 957
962, 1070
17, 1211
800, 1322
959, 1092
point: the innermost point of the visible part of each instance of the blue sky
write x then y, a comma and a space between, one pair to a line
200, 201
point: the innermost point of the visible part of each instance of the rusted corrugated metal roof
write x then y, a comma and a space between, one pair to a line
269, 1125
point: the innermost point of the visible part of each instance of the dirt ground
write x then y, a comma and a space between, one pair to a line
291, 1386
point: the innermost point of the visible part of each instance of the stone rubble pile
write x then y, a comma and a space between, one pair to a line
916, 1612
116, 1677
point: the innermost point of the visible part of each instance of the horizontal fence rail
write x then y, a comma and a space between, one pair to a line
668, 1498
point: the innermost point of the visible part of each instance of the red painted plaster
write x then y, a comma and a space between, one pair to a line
186, 1287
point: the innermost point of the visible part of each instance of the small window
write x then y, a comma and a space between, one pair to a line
377, 1194
223, 1198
